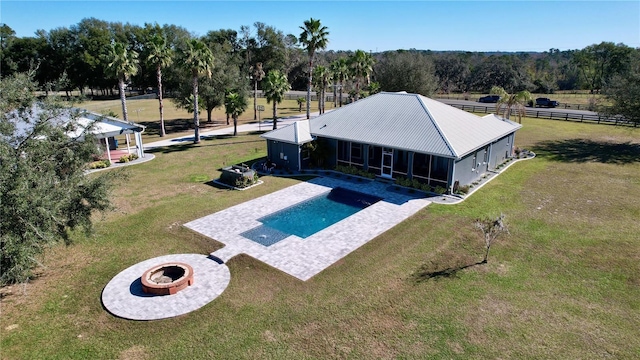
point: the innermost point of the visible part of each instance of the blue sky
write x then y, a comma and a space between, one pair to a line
368, 25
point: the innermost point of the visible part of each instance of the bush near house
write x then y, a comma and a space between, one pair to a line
127, 158
100, 164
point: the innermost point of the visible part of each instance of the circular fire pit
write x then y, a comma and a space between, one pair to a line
167, 279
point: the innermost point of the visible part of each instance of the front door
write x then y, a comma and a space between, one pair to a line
387, 163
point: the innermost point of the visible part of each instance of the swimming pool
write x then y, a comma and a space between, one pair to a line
310, 216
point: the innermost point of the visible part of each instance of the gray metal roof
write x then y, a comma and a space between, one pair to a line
402, 121
411, 122
296, 133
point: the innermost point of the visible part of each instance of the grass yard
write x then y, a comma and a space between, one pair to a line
565, 284
179, 122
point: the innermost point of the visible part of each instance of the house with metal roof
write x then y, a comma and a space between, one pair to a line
399, 135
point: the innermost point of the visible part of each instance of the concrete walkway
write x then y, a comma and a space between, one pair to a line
264, 125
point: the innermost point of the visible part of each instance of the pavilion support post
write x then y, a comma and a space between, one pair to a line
106, 142
139, 148
128, 143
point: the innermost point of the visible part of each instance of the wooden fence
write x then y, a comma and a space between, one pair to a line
553, 115
475, 98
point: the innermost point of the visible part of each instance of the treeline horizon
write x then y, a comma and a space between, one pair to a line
72, 58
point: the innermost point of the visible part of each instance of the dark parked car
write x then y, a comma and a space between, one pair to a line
546, 102
489, 99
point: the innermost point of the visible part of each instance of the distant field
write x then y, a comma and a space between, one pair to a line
565, 284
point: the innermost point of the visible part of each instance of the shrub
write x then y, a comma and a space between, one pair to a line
463, 189
100, 164
243, 182
352, 170
127, 158
402, 181
440, 190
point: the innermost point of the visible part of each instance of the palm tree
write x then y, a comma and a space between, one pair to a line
518, 101
374, 87
275, 86
314, 37
322, 81
160, 56
235, 104
122, 64
257, 74
197, 58
300, 101
334, 83
340, 69
361, 65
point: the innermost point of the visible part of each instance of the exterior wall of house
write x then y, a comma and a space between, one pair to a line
434, 170
474, 165
501, 150
470, 168
284, 155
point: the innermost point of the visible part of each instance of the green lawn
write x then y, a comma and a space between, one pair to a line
564, 284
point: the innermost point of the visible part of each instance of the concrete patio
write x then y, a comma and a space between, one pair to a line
304, 258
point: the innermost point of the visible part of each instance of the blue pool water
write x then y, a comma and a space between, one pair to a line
309, 217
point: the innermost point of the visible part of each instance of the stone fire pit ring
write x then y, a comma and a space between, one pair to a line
124, 297
167, 278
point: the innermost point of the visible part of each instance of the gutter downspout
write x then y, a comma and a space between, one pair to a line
489, 157
453, 177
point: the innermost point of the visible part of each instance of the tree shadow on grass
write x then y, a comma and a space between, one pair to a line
203, 142
584, 150
171, 148
425, 274
216, 185
172, 126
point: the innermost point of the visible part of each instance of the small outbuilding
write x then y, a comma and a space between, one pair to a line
105, 129
394, 135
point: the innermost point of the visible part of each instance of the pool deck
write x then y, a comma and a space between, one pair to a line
304, 258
